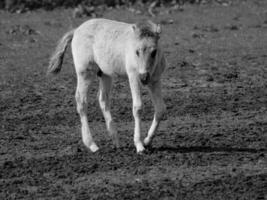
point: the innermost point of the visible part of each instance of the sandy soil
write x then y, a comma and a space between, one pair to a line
211, 145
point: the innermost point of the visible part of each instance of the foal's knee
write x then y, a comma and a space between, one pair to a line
81, 103
137, 107
103, 102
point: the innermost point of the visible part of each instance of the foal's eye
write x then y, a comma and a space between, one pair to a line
137, 52
153, 53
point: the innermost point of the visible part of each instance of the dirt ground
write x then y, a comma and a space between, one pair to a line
211, 145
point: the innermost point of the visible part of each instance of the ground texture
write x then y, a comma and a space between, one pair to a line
211, 145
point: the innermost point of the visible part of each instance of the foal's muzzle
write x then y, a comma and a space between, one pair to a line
144, 78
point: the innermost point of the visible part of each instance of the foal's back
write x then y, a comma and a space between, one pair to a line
102, 26
105, 40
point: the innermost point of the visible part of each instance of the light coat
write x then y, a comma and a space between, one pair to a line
110, 48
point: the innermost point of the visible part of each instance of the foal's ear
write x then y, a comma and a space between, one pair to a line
155, 27
136, 29
158, 29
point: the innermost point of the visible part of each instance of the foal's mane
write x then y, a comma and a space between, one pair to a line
146, 29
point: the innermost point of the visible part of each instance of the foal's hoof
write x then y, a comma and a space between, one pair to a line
141, 152
147, 142
116, 144
93, 147
140, 149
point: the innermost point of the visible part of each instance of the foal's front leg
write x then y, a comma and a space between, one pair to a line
159, 106
137, 106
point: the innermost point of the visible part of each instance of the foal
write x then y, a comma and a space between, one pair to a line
109, 48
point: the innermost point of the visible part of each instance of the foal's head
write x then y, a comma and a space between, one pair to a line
145, 48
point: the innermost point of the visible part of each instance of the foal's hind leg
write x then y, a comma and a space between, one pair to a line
83, 82
159, 106
104, 102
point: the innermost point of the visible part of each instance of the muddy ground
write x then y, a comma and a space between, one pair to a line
211, 145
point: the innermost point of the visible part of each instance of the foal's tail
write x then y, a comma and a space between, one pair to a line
56, 59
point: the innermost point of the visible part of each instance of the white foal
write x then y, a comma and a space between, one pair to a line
109, 48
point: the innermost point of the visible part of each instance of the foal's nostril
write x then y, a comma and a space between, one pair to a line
144, 78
